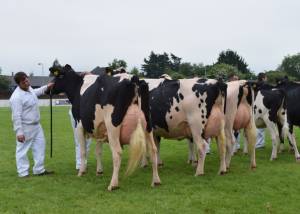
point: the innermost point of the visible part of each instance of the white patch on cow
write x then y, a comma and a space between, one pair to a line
88, 80
123, 76
153, 83
102, 89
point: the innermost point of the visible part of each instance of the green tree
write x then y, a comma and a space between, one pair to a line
275, 75
158, 64
135, 71
222, 70
117, 63
232, 58
291, 65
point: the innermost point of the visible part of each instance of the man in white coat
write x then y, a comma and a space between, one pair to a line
26, 123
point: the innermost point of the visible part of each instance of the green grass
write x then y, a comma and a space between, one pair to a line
272, 188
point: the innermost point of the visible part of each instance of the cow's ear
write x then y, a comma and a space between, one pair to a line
68, 67
109, 71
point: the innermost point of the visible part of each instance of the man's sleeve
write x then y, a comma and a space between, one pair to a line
16, 107
40, 91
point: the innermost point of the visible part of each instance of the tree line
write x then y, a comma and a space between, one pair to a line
228, 62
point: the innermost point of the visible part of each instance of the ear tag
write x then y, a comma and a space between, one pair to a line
56, 73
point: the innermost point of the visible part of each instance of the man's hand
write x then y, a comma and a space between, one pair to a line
50, 85
21, 138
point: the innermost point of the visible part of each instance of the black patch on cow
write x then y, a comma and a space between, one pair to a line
213, 91
201, 100
164, 95
202, 80
259, 111
199, 105
181, 96
240, 95
283, 113
118, 94
292, 104
202, 116
171, 117
272, 100
249, 95
176, 108
203, 122
144, 94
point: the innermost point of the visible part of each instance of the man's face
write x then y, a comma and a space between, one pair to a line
24, 84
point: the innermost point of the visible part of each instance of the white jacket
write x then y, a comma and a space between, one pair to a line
25, 109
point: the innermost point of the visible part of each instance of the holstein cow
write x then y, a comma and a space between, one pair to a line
292, 90
270, 112
105, 108
239, 115
190, 108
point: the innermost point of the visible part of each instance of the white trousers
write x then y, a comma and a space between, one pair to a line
77, 143
34, 139
260, 139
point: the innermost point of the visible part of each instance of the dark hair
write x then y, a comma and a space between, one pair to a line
19, 77
261, 76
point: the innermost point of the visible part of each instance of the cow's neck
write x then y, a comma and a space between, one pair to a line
73, 86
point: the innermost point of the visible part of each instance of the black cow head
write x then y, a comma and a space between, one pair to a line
64, 77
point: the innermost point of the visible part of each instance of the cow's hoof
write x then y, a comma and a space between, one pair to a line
155, 184
253, 168
161, 164
298, 159
99, 173
112, 188
189, 161
273, 158
80, 174
222, 173
144, 165
200, 174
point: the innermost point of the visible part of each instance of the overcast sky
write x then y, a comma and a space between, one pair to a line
87, 33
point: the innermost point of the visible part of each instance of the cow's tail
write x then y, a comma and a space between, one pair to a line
137, 140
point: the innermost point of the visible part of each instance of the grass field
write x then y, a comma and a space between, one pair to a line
272, 188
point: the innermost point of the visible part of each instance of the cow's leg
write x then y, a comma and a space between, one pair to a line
98, 153
192, 157
222, 150
154, 158
114, 143
82, 140
274, 136
229, 146
196, 130
245, 149
250, 134
157, 143
292, 139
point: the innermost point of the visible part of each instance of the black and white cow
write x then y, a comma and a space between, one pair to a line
270, 112
189, 108
292, 90
102, 105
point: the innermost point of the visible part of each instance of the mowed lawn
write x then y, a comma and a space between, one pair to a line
274, 187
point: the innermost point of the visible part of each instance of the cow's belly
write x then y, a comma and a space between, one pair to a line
129, 123
178, 127
214, 123
242, 117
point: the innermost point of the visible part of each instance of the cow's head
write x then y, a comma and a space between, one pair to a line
64, 77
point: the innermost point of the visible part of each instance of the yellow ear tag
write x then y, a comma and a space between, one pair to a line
56, 73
